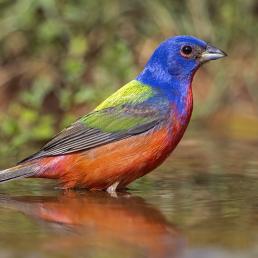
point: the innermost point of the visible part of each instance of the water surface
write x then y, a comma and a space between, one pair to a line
202, 203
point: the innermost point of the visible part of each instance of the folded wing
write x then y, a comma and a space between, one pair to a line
102, 127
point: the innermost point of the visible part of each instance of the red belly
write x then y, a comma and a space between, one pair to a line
122, 161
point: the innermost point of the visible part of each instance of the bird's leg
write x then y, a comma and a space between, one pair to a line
112, 189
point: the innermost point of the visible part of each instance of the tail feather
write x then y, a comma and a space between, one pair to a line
20, 171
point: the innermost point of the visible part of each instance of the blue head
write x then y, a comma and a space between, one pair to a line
174, 62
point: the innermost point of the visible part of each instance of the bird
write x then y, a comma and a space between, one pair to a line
131, 132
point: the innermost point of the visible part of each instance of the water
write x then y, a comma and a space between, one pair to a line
202, 203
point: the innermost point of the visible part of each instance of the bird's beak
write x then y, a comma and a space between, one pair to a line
211, 53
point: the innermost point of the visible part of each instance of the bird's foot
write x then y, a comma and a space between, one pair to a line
112, 189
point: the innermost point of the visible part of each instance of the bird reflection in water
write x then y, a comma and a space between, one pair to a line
98, 221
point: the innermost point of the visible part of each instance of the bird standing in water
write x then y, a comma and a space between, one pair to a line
132, 131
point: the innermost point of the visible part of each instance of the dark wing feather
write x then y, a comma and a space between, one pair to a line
81, 136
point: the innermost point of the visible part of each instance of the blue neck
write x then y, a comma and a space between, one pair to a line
172, 86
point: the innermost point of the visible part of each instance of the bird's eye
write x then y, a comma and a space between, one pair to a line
186, 51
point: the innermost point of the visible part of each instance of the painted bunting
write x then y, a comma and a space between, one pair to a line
130, 133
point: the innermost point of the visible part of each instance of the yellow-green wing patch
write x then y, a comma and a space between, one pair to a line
133, 92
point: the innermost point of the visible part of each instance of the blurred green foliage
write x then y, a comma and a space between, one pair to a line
60, 58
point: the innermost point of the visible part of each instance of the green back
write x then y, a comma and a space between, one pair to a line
133, 92
123, 110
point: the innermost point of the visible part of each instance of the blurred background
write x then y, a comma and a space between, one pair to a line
58, 59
